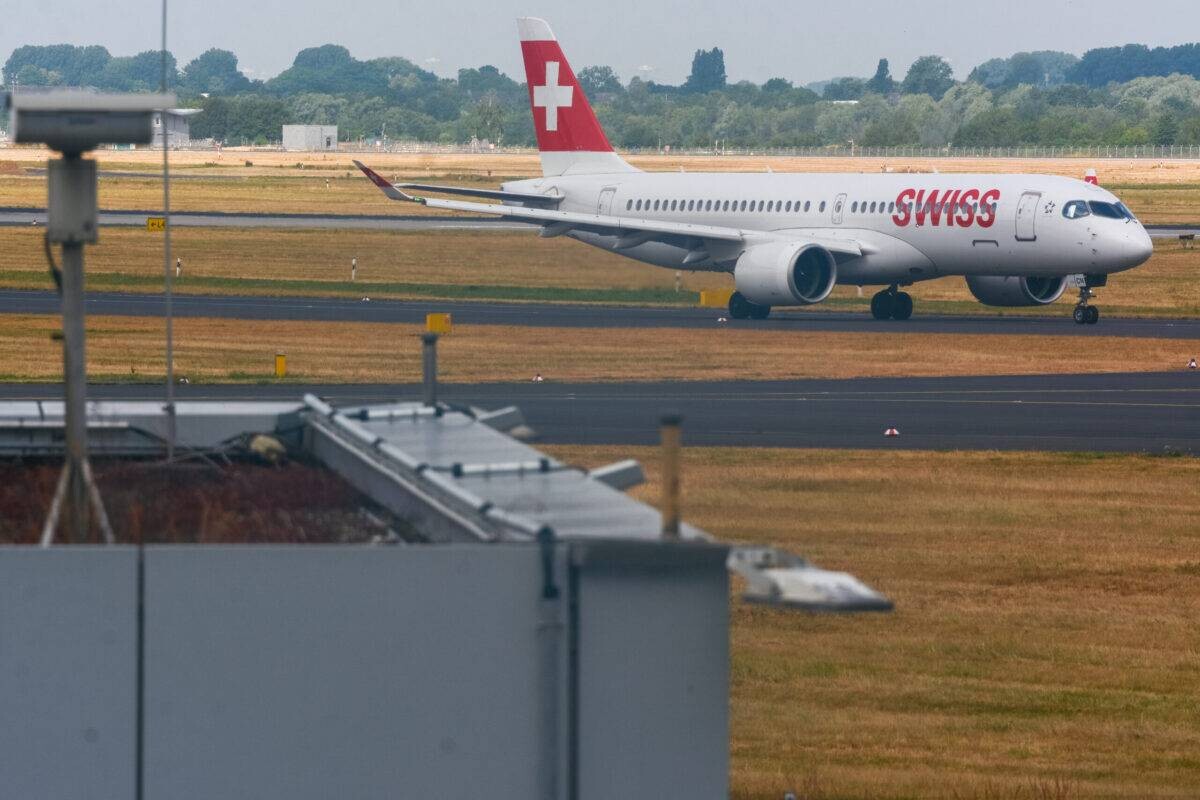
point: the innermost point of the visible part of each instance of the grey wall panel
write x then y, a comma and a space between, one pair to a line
68, 649
314, 672
654, 682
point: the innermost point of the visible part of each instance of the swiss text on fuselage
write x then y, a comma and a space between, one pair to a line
962, 208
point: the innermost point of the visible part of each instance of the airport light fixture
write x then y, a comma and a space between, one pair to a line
74, 123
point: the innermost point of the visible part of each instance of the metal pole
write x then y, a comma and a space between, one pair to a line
429, 368
671, 440
71, 222
167, 278
75, 387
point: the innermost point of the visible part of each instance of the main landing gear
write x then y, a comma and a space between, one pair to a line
1085, 314
741, 308
892, 304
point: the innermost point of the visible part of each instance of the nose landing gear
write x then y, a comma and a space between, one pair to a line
1085, 314
892, 304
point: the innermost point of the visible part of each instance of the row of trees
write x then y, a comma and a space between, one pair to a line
1130, 95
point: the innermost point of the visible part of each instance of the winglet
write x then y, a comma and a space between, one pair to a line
391, 191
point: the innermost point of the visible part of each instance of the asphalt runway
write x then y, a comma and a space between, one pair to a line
12, 216
550, 315
1156, 413
31, 217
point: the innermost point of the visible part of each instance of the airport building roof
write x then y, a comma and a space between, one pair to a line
452, 474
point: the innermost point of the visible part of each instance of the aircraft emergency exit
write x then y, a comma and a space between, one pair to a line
788, 239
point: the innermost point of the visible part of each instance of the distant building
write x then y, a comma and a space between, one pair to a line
179, 132
310, 137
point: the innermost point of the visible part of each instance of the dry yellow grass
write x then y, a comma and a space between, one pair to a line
323, 182
133, 260
130, 348
413, 165
466, 258
1043, 643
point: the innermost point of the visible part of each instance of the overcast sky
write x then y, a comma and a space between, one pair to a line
802, 41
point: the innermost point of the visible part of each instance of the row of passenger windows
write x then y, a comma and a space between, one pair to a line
721, 205
788, 206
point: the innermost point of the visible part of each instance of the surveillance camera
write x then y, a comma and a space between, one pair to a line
74, 122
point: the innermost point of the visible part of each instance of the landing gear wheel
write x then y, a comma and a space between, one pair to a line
759, 312
1085, 314
739, 307
881, 305
902, 306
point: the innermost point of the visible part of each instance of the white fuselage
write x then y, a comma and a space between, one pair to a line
912, 227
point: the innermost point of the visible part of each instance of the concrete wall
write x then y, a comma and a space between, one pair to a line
310, 137
659, 634
367, 672
340, 672
179, 130
68, 672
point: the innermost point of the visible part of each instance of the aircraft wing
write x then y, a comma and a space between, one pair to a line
632, 230
557, 222
565, 220
491, 194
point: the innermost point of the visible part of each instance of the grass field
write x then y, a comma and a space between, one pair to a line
493, 265
1159, 191
131, 349
1043, 643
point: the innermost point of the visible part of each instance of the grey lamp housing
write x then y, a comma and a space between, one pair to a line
74, 122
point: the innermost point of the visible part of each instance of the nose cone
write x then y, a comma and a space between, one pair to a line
1133, 246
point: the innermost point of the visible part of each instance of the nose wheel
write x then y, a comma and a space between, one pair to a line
892, 304
1085, 314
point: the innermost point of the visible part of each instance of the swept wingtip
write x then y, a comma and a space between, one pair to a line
383, 183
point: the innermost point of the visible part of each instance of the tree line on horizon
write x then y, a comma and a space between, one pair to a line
1116, 95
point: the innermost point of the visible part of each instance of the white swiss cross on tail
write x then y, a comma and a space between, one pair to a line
569, 136
552, 96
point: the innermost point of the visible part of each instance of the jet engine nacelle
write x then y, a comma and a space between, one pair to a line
785, 274
1014, 291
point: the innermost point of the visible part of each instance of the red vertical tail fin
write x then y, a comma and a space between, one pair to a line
569, 136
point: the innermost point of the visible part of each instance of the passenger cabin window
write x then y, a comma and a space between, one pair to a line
1075, 209
629, 205
821, 208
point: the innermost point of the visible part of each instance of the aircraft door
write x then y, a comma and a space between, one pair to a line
1027, 216
606, 199
839, 206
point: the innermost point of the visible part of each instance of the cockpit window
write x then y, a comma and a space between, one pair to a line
1124, 209
1075, 209
1107, 210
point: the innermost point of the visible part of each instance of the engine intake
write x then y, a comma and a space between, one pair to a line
1015, 291
785, 274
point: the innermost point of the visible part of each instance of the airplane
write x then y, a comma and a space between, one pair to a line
788, 238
